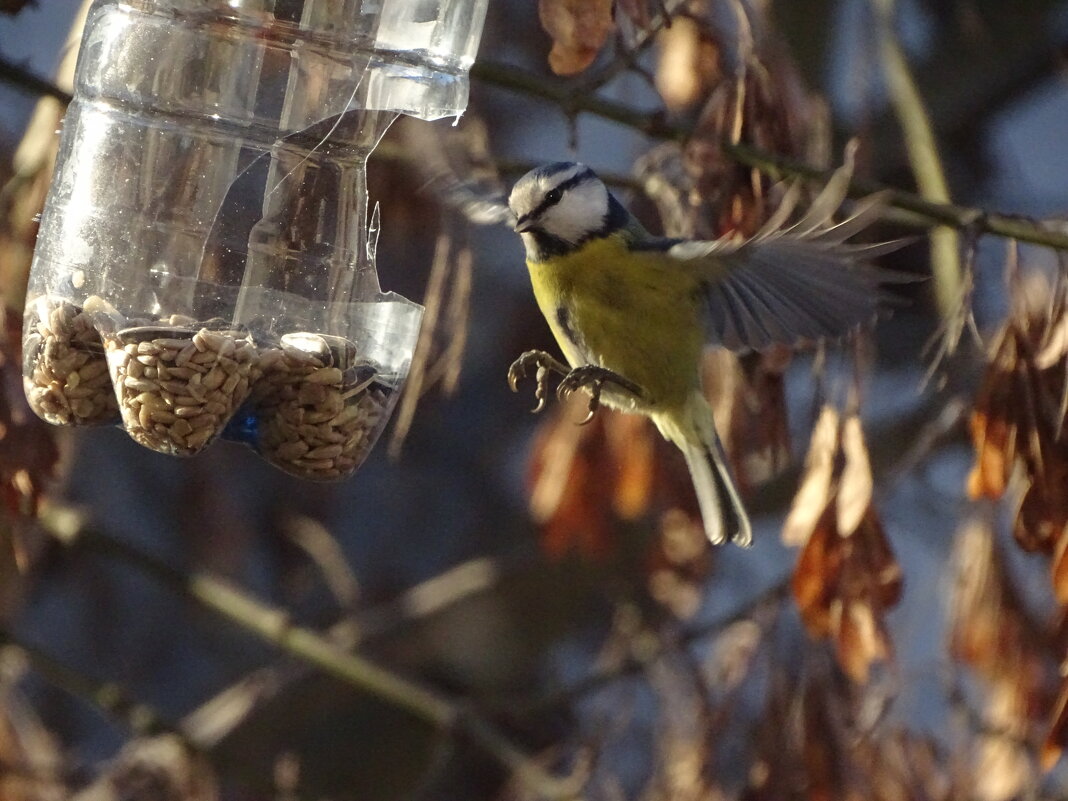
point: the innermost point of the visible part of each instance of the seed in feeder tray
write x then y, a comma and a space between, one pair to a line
181, 413
319, 406
64, 370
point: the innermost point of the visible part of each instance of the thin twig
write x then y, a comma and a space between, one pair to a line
108, 697
19, 76
596, 680
924, 160
440, 270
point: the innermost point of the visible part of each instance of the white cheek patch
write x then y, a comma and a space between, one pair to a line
581, 211
523, 199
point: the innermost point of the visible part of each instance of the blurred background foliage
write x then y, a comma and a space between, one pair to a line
506, 606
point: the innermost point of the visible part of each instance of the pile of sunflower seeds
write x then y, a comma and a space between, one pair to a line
320, 407
178, 387
65, 373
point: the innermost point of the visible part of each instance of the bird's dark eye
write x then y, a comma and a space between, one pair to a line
553, 196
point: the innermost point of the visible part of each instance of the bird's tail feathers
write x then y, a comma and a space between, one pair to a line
722, 513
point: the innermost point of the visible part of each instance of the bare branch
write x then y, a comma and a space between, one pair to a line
923, 156
275, 627
922, 212
17, 75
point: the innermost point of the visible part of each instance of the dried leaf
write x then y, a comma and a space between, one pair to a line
1004, 768
822, 750
855, 484
687, 64
634, 451
816, 575
679, 563
860, 637
579, 29
991, 632
1059, 568
566, 498
759, 430
880, 568
1057, 735
31, 760
843, 585
584, 481
733, 654
1019, 424
983, 610
1055, 349
814, 494
990, 475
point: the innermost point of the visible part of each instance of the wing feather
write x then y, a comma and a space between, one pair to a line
776, 312
799, 282
866, 211
748, 321
827, 202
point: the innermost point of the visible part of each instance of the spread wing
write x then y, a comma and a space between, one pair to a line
801, 281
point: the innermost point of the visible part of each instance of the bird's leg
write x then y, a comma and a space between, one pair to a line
593, 378
545, 364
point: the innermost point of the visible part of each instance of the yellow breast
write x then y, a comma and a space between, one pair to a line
632, 312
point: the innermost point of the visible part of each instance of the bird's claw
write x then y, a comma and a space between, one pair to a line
593, 378
545, 365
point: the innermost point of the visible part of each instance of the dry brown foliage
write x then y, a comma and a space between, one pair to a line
579, 29
846, 576
757, 704
993, 634
1018, 423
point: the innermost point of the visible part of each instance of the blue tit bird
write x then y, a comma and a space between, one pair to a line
632, 312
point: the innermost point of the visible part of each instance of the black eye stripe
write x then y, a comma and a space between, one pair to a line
552, 197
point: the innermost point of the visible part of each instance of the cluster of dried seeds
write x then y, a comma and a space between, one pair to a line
178, 388
319, 407
65, 372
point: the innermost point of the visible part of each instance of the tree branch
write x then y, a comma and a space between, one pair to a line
773, 595
924, 160
108, 697
17, 75
924, 213
656, 124
275, 627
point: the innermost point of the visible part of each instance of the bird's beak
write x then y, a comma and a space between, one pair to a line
523, 224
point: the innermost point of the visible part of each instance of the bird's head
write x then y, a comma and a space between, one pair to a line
560, 206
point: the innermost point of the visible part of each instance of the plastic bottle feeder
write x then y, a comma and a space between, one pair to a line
205, 264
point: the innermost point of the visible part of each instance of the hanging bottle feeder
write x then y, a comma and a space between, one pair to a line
205, 262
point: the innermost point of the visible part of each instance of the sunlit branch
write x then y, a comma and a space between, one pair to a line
924, 212
924, 160
275, 627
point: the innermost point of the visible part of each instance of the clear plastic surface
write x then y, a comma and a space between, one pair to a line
203, 259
